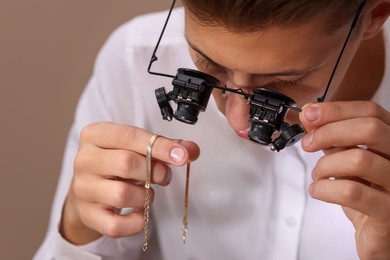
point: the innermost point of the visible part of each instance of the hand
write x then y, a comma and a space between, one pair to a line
358, 179
109, 172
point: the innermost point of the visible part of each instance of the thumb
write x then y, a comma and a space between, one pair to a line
192, 149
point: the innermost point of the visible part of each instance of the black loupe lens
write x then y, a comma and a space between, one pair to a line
187, 113
261, 133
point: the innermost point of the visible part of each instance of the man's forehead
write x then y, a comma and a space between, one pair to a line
288, 51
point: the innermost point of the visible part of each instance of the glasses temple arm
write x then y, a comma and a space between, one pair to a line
355, 20
154, 56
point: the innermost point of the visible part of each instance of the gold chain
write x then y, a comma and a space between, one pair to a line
148, 182
185, 213
146, 220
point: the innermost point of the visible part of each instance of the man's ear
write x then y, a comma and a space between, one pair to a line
376, 15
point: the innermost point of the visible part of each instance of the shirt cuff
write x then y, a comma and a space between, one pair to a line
102, 248
66, 250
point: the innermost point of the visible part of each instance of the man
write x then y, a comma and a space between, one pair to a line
246, 202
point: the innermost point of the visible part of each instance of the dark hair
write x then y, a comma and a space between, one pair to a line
252, 15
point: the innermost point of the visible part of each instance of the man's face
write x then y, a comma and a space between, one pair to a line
296, 61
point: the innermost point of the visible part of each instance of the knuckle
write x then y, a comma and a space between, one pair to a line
113, 229
88, 131
373, 109
351, 192
126, 163
360, 159
374, 126
77, 187
80, 161
121, 195
126, 135
85, 133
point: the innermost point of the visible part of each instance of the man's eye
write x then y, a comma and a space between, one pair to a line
289, 83
203, 63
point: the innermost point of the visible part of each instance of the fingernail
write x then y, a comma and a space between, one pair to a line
177, 154
312, 114
307, 139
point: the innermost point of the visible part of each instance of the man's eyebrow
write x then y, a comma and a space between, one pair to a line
201, 53
290, 73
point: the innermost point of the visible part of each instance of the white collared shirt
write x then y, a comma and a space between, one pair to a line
246, 202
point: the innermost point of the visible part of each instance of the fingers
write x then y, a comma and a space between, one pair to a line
354, 163
123, 164
346, 124
317, 114
117, 193
115, 136
354, 178
109, 171
115, 225
355, 195
349, 133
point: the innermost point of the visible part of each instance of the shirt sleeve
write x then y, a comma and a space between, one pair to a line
102, 100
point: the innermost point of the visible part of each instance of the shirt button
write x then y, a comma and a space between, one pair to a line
291, 221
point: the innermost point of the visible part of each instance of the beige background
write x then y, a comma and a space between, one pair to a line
47, 50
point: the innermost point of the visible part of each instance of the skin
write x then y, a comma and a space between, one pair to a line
111, 158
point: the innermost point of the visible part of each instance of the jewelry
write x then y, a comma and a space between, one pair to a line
185, 213
148, 181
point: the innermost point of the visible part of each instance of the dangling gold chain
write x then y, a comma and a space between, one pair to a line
185, 212
148, 182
